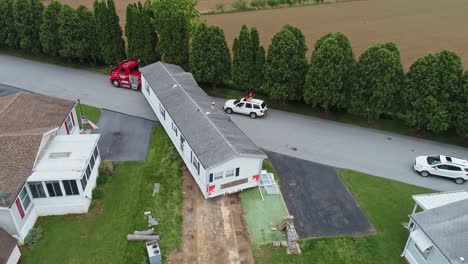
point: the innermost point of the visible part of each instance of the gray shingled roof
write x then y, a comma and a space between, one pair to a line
213, 137
447, 227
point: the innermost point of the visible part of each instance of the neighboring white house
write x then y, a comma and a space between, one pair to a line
221, 158
46, 167
9, 251
439, 233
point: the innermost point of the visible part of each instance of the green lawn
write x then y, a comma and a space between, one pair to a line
395, 126
387, 204
100, 235
92, 113
103, 69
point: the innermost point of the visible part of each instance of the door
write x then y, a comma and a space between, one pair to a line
124, 80
239, 108
446, 171
248, 108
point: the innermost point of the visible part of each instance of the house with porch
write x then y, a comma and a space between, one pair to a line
438, 229
220, 157
47, 166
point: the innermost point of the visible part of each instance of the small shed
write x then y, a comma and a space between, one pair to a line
9, 251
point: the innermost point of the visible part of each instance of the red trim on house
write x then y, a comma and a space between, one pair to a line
66, 127
256, 177
20, 208
73, 119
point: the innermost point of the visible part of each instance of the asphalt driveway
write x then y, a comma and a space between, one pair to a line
123, 137
8, 90
318, 199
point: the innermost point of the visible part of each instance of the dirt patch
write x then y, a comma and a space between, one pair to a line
418, 27
213, 230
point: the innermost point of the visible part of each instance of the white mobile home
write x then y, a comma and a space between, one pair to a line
47, 166
439, 234
220, 157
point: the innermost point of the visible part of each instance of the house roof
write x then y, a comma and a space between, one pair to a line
211, 134
433, 200
24, 118
8, 244
446, 226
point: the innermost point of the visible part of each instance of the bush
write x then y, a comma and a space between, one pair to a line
240, 5
220, 7
273, 3
258, 3
98, 194
106, 168
101, 179
33, 236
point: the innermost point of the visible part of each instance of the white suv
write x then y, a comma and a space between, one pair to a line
443, 166
251, 107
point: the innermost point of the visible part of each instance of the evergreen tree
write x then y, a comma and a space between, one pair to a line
243, 63
284, 58
300, 62
87, 50
26, 14
210, 61
324, 81
141, 37
8, 34
173, 22
255, 40
460, 108
259, 72
378, 82
430, 92
112, 47
49, 29
69, 33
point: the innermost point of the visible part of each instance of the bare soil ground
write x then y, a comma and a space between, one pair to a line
418, 27
213, 230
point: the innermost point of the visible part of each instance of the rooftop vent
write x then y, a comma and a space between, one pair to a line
208, 113
174, 86
58, 155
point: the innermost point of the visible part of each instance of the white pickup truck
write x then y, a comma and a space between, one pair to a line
252, 107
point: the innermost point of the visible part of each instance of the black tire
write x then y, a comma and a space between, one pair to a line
115, 83
253, 115
424, 173
459, 181
228, 110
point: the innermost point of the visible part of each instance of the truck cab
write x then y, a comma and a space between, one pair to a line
126, 74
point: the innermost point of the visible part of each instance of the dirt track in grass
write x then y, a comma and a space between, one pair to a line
417, 26
213, 229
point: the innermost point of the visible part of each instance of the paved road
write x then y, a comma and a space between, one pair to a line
320, 202
123, 137
345, 146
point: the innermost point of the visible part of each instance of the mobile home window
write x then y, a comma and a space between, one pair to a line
174, 128
53, 188
84, 182
69, 122
230, 173
182, 140
196, 164
96, 153
237, 172
25, 200
88, 172
218, 175
162, 110
91, 161
70, 187
37, 190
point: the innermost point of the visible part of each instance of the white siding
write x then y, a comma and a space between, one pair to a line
76, 130
15, 256
7, 221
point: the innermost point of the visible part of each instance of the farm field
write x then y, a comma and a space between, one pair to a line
417, 27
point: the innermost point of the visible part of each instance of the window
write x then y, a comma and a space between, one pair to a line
256, 106
211, 177
466, 170
70, 187
449, 159
69, 122
236, 101
442, 167
96, 153
37, 190
263, 105
196, 164
84, 182
425, 254
240, 105
174, 128
237, 172
25, 199
57, 155
433, 160
122, 71
230, 173
182, 140
218, 175
91, 161
248, 105
453, 168
131, 69
53, 188
88, 172
162, 110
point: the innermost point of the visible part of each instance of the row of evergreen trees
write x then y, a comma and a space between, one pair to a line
432, 95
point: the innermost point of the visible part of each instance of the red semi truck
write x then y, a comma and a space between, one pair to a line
126, 74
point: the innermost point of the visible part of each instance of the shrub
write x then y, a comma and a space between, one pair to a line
220, 7
240, 5
101, 179
34, 235
273, 3
106, 168
258, 3
98, 194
